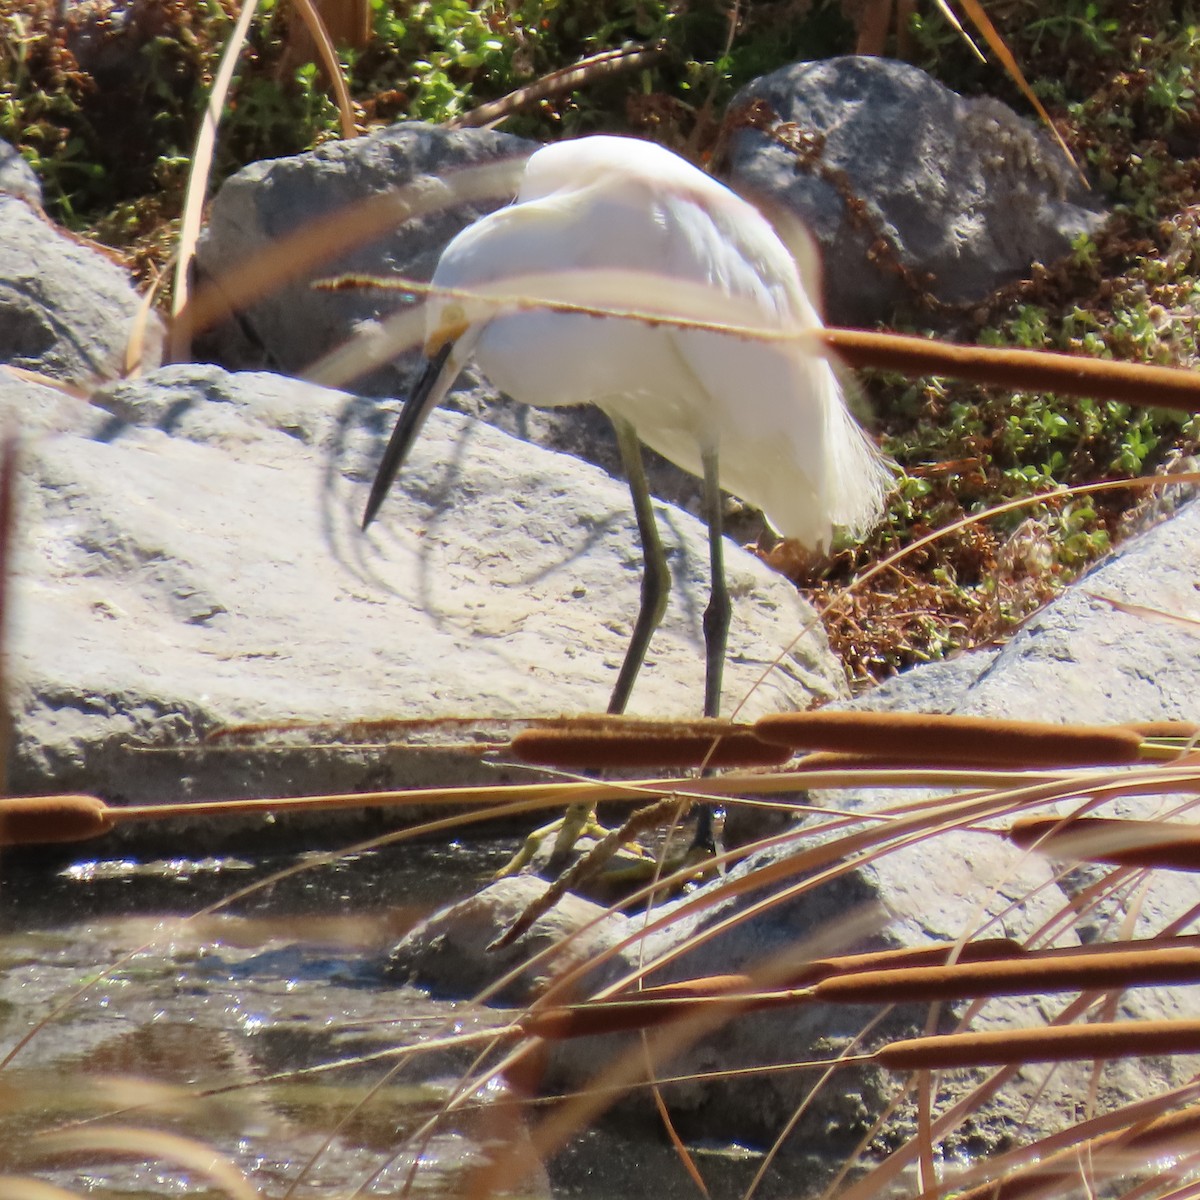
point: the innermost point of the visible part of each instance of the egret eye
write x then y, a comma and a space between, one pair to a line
452, 323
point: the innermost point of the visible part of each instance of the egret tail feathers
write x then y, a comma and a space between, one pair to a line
858, 475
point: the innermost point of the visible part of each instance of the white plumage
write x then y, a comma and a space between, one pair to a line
767, 415
773, 411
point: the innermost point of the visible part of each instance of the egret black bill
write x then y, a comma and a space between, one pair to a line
423, 399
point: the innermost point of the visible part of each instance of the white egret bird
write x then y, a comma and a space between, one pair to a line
762, 419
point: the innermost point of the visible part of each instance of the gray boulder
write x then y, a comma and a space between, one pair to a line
1078, 660
1081, 658
451, 952
958, 189
65, 310
294, 325
192, 557
17, 177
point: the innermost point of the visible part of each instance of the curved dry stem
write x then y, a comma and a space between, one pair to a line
566, 79
330, 64
182, 330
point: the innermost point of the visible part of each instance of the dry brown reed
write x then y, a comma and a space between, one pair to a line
832, 845
1163, 845
935, 738
570, 751
993, 968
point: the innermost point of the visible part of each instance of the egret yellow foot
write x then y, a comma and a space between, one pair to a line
595, 874
578, 822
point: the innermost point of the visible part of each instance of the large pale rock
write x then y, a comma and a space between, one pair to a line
191, 555
958, 188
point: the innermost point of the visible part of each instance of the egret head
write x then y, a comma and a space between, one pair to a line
573, 166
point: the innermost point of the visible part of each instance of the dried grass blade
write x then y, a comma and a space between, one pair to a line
135, 344
874, 20
585, 71
31, 819
1165, 729
1116, 966
957, 26
322, 240
999, 48
1027, 1174
1073, 969
1172, 847
25, 1187
331, 65
1019, 370
181, 331
1191, 624
605, 292
149, 1144
74, 390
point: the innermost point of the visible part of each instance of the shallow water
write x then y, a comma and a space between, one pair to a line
255, 1023
123, 1001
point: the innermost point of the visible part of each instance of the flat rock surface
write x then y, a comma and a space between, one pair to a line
190, 555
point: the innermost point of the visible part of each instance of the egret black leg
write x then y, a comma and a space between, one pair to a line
656, 589
717, 614
716, 627
656, 575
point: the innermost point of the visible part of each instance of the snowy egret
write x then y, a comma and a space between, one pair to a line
763, 419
